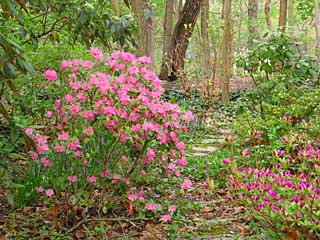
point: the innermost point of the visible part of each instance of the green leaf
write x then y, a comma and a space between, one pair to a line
9, 70
83, 17
10, 200
14, 134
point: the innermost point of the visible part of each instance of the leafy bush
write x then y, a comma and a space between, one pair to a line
285, 196
110, 131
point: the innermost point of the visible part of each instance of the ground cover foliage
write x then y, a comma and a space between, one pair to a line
93, 148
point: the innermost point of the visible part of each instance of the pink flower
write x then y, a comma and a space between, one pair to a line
69, 99
34, 155
74, 109
124, 158
91, 179
116, 178
143, 173
40, 189
45, 162
177, 173
180, 146
166, 218
226, 161
65, 65
29, 131
186, 183
51, 75
172, 208
49, 114
73, 179
245, 153
256, 133
278, 153
49, 192
64, 136
182, 162
60, 148
150, 206
105, 173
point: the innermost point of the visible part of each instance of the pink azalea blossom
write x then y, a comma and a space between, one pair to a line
40, 189
244, 153
45, 162
172, 208
186, 183
73, 179
49, 114
51, 75
182, 162
91, 179
64, 136
29, 131
150, 206
166, 218
49, 192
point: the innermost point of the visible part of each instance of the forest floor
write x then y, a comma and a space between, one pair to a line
211, 214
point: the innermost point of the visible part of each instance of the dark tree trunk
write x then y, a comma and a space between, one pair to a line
180, 39
167, 34
283, 15
267, 12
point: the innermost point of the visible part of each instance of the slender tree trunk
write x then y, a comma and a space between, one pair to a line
146, 27
176, 10
291, 14
167, 36
316, 26
180, 38
222, 8
215, 64
283, 15
205, 53
116, 6
252, 20
226, 52
267, 12
150, 36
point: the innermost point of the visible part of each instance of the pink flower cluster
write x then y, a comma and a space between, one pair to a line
289, 191
112, 125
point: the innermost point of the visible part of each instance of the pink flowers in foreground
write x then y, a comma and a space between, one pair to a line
186, 184
91, 179
166, 218
51, 75
49, 192
111, 127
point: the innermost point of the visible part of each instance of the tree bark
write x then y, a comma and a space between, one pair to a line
205, 53
226, 52
146, 28
222, 9
180, 38
267, 12
316, 26
167, 35
252, 20
283, 15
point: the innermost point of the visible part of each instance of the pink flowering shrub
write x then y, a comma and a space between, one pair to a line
286, 196
112, 130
